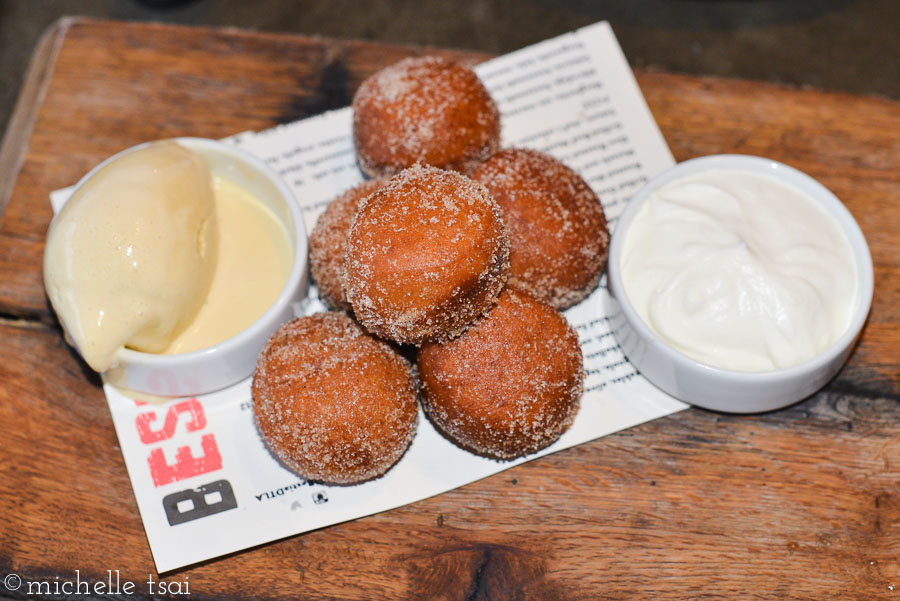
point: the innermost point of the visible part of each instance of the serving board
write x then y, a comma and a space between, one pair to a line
802, 503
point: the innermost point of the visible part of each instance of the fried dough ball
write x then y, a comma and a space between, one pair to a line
558, 240
427, 254
327, 242
332, 402
423, 110
511, 384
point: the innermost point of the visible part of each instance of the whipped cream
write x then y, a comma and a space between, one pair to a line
739, 270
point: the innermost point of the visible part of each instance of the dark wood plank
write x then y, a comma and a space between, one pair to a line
116, 85
789, 505
802, 503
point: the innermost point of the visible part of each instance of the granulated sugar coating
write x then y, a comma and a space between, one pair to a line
334, 403
423, 110
427, 254
558, 240
327, 242
511, 384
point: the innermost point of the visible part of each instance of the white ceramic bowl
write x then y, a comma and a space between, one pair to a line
721, 389
219, 366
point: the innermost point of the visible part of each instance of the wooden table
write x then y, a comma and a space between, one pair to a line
802, 503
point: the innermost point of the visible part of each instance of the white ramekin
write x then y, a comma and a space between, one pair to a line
219, 366
721, 389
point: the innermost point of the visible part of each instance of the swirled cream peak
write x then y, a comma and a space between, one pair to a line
739, 270
130, 257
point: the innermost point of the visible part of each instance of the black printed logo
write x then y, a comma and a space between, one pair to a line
195, 503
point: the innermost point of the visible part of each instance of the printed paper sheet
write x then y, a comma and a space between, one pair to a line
204, 481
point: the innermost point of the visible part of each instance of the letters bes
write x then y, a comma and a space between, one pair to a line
192, 503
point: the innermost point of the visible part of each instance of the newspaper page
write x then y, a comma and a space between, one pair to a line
204, 481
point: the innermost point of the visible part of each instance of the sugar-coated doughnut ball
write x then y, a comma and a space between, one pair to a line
423, 110
558, 239
511, 384
327, 242
427, 253
332, 402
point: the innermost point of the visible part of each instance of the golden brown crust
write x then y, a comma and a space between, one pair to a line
327, 242
557, 229
426, 255
332, 402
511, 384
423, 110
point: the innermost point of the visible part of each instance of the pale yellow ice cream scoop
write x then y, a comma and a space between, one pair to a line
130, 258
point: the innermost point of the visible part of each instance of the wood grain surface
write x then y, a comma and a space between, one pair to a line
802, 503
